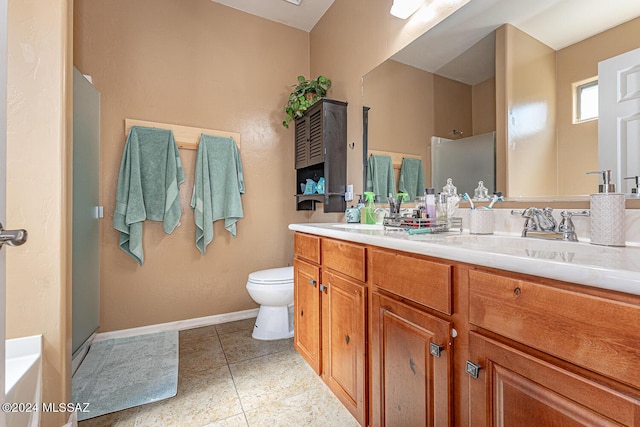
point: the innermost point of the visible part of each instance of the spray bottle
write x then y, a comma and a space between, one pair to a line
367, 213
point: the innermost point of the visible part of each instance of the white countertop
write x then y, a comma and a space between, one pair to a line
603, 267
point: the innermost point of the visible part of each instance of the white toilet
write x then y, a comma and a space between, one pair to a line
273, 290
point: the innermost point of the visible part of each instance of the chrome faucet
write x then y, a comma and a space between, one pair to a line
540, 223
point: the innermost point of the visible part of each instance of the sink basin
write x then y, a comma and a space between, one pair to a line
540, 248
356, 226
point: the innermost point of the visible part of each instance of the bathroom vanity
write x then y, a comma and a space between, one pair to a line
467, 330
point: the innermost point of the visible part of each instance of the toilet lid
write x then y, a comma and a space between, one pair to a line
272, 276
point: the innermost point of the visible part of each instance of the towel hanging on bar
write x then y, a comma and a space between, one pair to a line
148, 186
217, 187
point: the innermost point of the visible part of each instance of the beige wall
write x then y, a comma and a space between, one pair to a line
38, 196
483, 106
353, 38
401, 114
530, 101
452, 108
578, 143
194, 63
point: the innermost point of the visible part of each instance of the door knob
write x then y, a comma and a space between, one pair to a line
12, 237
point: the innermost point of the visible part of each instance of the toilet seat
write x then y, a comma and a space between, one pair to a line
274, 276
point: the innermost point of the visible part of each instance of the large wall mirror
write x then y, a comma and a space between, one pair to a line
509, 69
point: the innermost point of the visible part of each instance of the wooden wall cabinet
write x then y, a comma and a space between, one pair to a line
321, 152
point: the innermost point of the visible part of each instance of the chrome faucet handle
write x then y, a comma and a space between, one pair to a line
566, 226
530, 222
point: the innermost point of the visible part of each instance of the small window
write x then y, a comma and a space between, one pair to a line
586, 96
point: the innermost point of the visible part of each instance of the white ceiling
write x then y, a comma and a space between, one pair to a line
556, 23
303, 17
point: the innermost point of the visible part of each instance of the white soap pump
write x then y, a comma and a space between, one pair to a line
607, 213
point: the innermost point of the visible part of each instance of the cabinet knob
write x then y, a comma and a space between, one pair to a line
312, 282
472, 369
347, 339
323, 288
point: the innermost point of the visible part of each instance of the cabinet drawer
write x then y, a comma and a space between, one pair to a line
307, 246
346, 258
596, 333
425, 282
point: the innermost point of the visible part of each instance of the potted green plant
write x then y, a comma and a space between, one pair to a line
305, 94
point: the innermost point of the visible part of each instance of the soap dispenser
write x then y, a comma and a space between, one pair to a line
607, 213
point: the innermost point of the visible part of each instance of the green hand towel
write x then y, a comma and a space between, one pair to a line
217, 187
411, 178
148, 186
380, 178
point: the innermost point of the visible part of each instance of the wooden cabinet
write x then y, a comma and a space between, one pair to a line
307, 321
410, 366
551, 355
411, 348
330, 325
514, 388
411, 340
344, 341
321, 152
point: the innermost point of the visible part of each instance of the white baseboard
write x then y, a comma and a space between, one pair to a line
178, 325
79, 355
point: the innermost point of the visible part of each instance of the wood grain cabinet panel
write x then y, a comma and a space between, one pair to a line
410, 385
516, 389
307, 246
593, 332
347, 258
344, 331
307, 320
425, 282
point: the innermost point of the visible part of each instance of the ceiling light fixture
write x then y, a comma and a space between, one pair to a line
405, 8
296, 2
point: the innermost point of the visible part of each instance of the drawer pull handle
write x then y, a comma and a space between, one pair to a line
472, 369
435, 349
517, 291
312, 282
412, 366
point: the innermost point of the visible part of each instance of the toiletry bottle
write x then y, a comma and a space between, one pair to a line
430, 202
368, 212
607, 213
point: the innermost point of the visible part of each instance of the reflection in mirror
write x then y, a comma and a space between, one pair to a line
514, 79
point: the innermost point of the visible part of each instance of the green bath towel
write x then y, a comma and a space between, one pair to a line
412, 178
380, 178
148, 186
217, 187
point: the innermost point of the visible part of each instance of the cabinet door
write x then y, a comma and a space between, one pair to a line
410, 385
301, 144
307, 320
316, 136
514, 388
344, 331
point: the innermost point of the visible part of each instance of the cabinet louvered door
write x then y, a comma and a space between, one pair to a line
301, 143
316, 146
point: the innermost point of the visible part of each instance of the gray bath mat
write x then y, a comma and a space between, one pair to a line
122, 373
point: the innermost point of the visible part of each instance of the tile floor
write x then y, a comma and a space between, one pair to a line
226, 378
